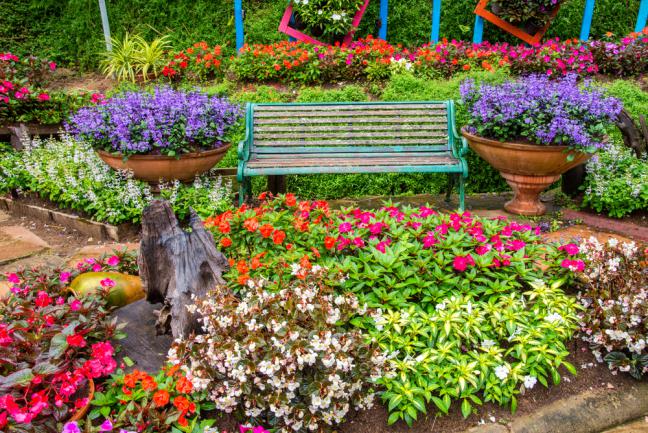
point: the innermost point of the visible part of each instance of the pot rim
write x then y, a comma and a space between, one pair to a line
145, 157
82, 411
518, 146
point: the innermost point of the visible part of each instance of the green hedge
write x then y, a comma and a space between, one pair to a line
70, 31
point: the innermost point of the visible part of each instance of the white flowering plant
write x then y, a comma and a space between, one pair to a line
331, 18
70, 174
472, 349
283, 355
614, 292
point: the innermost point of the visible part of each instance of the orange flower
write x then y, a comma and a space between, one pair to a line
290, 200
161, 398
329, 242
183, 421
241, 267
226, 242
278, 237
466, 67
130, 380
243, 279
251, 224
224, 227
316, 252
305, 263
184, 385
173, 370
149, 384
266, 230
182, 404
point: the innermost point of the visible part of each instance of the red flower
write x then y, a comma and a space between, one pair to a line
43, 97
226, 242
329, 242
251, 224
266, 230
290, 200
149, 384
76, 340
43, 299
278, 237
161, 398
184, 385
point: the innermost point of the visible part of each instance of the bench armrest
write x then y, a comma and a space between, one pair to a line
244, 145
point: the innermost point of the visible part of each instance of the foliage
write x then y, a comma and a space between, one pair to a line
166, 122
540, 111
536, 13
626, 57
617, 182
199, 63
331, 18
70, 174
469, 309
162, 403
280, 353
51, 344
28, 70
614, 292
133, 55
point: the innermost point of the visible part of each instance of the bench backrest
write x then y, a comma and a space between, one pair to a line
350, 127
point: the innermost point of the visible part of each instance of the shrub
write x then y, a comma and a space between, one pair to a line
626, 57
281, 353
51, 344
616, 182
133, 56
70, 174
199, 62
614, 292
166, 122
333, 18
538, 110
536, 13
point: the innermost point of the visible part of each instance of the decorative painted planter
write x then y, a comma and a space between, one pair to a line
127, 288
530, 36
529, 169
286, 27
81, 413
156, 168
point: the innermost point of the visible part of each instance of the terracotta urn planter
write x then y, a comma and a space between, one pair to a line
156, 168
529, 169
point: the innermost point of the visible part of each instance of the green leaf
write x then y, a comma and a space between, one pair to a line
17, 378
466, 408
45, 368
393, 417
129, 362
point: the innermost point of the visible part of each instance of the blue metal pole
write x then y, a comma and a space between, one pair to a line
587, 20
238, 22
478, 33
643, 16
436, 20
384, 12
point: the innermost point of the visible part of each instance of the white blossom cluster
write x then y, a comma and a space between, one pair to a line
70, 173
281, 358
615, 297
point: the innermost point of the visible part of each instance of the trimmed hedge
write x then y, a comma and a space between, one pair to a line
70, 31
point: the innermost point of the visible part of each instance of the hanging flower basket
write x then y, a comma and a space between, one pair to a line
290, 28
488, 9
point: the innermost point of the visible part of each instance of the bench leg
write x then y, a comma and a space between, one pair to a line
245, 190
277, 184
451, 182
462, 193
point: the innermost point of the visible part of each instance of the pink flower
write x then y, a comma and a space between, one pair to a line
43, 97
570, 249
515, 245
342, 242
345, 227
64, 277
42, 299
107, 283
483, 249
358, 242
382, 246
75, 305
113, 261
96, 267
52, 66
573, 265
461, 263
96, 98
429, 240
13, 278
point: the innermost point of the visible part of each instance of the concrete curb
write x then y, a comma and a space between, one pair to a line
589, 412
93, 229
633, 231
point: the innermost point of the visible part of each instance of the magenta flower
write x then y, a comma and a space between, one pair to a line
71, 427
64, 277
113, 261
515, 244
13, 278
358, 242
461, 263
107, 283
429, 240
345, 227
96, 267
573, 265
570, 249
75, 305
483, 249
106, 426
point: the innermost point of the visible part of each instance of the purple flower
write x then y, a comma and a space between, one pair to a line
71, 427
106, 426
166, 121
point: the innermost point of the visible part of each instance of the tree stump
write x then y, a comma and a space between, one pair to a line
177, 264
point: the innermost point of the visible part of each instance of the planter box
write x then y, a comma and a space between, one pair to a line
531, 39
285, 27
8, 132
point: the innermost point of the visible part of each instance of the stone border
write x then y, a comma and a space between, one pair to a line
628, 229
588, 412
93, 229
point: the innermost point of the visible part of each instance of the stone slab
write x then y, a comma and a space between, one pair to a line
581, 232
17, 242
639, 426
96, 251
628, 229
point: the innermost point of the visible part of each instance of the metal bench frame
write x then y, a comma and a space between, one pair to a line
346, 148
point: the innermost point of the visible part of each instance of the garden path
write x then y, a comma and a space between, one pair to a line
639, 426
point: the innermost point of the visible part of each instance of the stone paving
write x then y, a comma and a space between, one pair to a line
639, 426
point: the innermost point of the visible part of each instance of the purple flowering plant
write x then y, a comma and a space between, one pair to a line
538, 110
162, 122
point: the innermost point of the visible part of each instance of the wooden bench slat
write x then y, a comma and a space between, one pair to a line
396, 129
350, 113
394, 142
352, 162
352, 120
338, 135
362, 155
287, 150
325, 107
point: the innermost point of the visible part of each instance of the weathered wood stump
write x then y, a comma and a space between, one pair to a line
177, 264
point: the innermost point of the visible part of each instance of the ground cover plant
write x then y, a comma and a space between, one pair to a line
613, 293
52, 343
69, 173
477, 301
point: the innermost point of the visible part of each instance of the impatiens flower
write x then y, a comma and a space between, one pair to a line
43, 97
345, 227
429, 240
502, 372
64, 277
75, 305
113, 261
278, 237
570, 249
290, 200
515, 244
530, 381
226, 242
483, 249
106, 426
251, 224
71, 427
184, 385
573, 265
76, 340
107, 283
266, 230
52, 66
358, 242
461, 263
329, 242
42, 299
13, 278
161, 398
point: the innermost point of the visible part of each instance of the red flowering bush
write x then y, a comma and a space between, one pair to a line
161, 403
52, 343
28, 70
197, 63
626, 57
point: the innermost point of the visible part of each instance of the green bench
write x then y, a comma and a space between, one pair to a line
364, 137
